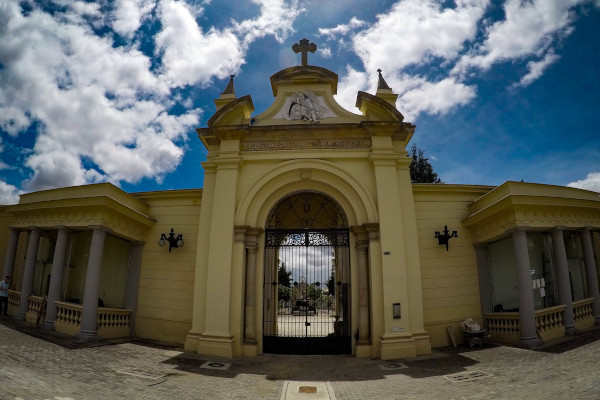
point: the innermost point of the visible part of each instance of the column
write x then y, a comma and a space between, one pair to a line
89, 317
251, 243
362, 244
11, 253
525, 285
133, 281
590, 271
485, 281
30, 262
564, 281
58, 264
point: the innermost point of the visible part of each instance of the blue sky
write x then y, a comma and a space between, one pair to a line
113, 90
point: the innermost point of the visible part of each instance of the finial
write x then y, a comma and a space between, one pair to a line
382, 84
304, 46
229, 89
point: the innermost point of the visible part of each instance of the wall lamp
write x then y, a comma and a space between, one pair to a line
173, 241
444, 238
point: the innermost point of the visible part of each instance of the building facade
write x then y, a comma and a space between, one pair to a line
307, 237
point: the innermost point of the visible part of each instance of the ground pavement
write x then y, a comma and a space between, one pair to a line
35, 364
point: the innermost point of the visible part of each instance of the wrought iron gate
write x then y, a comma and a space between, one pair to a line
307, 291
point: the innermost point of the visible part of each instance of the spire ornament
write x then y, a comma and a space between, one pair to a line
382, 84
304, 46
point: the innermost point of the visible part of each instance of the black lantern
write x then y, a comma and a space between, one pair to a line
173, 241
444, 238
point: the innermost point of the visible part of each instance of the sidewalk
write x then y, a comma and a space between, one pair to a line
37, 364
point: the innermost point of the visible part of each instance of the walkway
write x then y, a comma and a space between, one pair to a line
61, 368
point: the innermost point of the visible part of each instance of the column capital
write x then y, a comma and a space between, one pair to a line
137, 244
15, 229
373, 230
481, 246
99, 229
34, 229
518, 231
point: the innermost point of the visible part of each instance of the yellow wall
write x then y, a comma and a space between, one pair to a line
450, 283
5, 221
166, 286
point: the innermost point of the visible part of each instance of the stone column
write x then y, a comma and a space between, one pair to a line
564, 281
11, 253
251, 243
590, 271
525, 285
485, 281
89, 316
362, 244
30, 262
58, 264
133, 281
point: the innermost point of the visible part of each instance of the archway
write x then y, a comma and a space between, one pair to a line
306, 307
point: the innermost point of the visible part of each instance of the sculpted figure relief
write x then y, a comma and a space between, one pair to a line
305, 106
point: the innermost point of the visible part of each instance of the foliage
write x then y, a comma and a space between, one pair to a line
284, 278
421, 171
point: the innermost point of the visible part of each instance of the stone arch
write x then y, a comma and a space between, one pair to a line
306, 175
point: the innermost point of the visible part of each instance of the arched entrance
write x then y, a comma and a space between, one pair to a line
307, 277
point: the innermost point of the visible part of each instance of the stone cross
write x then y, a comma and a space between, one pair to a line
304, 47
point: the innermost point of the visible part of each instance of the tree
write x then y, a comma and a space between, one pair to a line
284, 278
421, 170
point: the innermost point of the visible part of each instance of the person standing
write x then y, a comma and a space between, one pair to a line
4, 295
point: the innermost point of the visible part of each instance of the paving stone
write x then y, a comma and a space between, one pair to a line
39, 365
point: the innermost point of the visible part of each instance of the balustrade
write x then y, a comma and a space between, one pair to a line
549, 323
14, 300
35, 307
504, 327
68, 317
583, 313
111, 322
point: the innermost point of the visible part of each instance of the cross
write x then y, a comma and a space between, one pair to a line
304, 47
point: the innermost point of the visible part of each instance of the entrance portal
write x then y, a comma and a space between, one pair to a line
307, 277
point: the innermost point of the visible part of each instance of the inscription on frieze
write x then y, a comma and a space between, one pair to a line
296, 144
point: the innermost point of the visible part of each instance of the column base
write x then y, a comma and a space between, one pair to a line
21, 316
393, 347
191, 341
530, 342
217, 345
422, 342
250, 349
363, 351
88, 336
49, 325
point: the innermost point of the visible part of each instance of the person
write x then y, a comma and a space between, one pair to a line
4, 295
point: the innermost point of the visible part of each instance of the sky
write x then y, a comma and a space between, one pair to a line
112, 91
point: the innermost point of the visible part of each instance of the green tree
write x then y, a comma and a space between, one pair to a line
421, 170
284, 278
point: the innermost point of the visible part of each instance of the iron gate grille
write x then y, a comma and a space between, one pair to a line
307, 292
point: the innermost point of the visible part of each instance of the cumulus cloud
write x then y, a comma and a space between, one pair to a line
276, 18
101, 105
529, 28
591, 182
9, 194
129, 14
416, 30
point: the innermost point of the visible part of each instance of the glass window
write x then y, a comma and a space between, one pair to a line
576, 265
503, 271
543, 271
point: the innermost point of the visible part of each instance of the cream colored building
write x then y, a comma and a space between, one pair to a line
310, 191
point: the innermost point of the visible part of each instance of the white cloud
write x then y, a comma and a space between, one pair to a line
276, 18
342, 29
188, 54
537, 68
9, 194
433, 97
591, 182
348, 86
415, 30
529, 29
129, 14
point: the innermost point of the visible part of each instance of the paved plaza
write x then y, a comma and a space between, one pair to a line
36, 365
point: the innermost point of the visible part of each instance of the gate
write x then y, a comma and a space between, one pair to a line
307, 291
